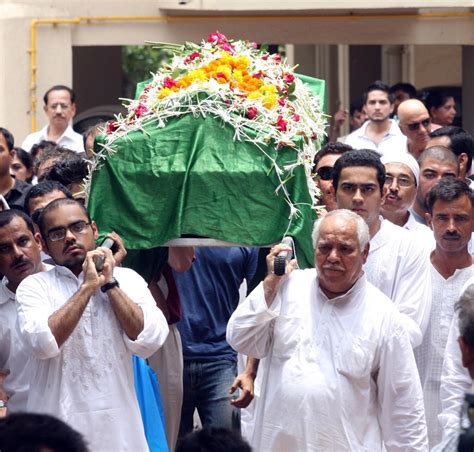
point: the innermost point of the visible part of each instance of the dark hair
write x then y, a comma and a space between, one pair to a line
213, 439
448, 189
31, 432
8, 138
406, 88
356, 105
379, 86
68, 171
359, 157
436, 99
43, 188
53, 205
59, 88
460, 141
441, 153
42, 145
56, 153
26, 159
336, 148
7, 216
95, 129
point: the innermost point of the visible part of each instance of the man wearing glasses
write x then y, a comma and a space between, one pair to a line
415, 124
323, 168
401, 180
60, 108
81, 326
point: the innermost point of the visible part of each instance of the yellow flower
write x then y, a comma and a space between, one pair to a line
164, 92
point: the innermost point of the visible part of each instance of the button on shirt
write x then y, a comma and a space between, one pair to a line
69, 139
393, 140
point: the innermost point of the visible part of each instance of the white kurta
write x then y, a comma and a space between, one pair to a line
423, 232
88, 381
455, 381
399, 266
338, 375
13, 356
430, 354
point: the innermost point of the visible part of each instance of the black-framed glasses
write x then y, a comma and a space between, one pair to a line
402, 181
325, 172
416, 125
59, 233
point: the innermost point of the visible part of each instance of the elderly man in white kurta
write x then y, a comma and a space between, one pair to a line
450, 216
339, 372
82, 326
398, 263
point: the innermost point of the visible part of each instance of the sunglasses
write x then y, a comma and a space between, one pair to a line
325, 172
416, 125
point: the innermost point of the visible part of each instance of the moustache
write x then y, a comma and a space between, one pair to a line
19, 261
71, 245
451, 235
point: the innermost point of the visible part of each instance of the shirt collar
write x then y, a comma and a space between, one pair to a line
354, 291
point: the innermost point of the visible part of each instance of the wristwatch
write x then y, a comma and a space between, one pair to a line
110, 285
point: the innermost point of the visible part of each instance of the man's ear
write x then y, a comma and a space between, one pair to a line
462, 158
95, 230
365, 252
384, 194
73, 109
39, 240
429, 220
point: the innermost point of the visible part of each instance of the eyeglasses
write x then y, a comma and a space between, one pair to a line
59, 233
325, 172
402, 181
416, 125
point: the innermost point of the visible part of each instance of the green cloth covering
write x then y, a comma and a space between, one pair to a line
191, 177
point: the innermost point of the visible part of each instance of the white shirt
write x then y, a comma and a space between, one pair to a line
423, 232
88, 381
394, 140
338, 375
455, 381
68, 139
398, 265
14, 359
430, 354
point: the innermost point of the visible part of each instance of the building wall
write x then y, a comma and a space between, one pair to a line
95, 24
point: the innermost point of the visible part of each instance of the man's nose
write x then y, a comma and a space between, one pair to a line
69, 236
358, 196
333, 255
451, 226
17, 251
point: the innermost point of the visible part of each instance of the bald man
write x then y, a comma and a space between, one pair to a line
415, 124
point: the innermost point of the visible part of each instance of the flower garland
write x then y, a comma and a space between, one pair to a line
254, 91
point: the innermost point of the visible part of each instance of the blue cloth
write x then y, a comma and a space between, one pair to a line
207, 389
209, 294
149, 400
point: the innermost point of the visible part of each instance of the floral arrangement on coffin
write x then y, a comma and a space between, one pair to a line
257, 93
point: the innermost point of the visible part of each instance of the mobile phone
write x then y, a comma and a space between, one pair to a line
99, 260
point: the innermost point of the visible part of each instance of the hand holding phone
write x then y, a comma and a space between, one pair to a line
99, 260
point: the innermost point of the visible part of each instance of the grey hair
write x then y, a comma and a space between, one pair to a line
465, 308
361, 226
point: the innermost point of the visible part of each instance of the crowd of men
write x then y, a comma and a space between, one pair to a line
366, 351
